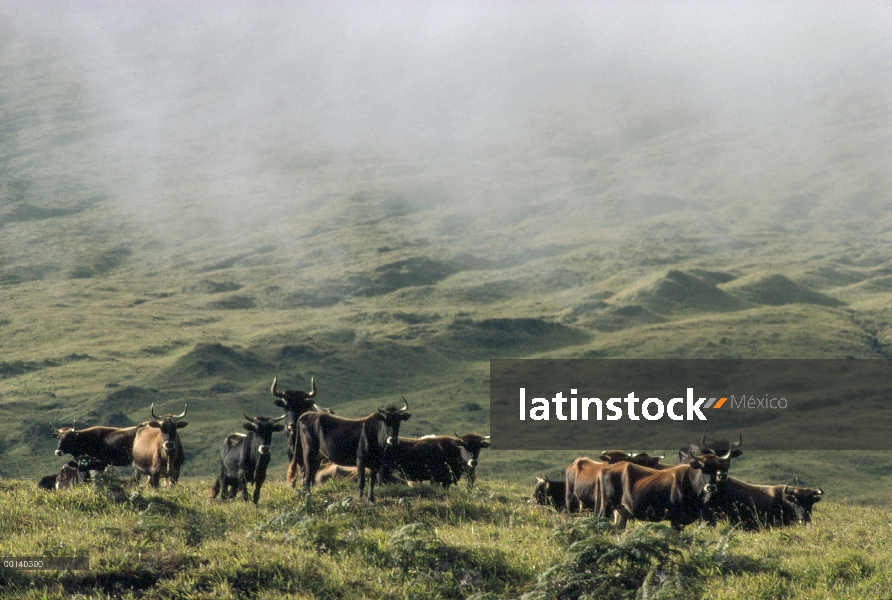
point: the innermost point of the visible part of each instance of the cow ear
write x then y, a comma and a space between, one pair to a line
182, 424
736, 452
279, 402
154, 424
249, 426
278, 427
484, 444
72, 463
696, 464
405, 416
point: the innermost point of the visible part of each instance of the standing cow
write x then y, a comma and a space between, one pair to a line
157, 449
245, 457
294, 403
112, 445
581, 476
348, 442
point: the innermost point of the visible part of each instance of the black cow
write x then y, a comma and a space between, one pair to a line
348, 442
421, 459
678, 494
244, 458
469, 446
757, 506
295, 403
553, 493
112, 445
74, 472
719, 447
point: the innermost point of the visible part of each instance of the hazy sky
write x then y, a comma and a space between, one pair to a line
243, 96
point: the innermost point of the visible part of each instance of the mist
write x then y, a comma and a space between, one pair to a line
227, 115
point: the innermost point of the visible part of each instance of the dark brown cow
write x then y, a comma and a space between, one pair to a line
678, 494
553, 493
294, 403
111, 445
157, 449
582, 476
347, 442
469, 446
757, 506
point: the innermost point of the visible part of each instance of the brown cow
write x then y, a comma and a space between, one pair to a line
348, 442
678, 494
582, 476
157, 449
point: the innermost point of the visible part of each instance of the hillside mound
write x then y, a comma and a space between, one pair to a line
212, 360
775, 290
680, 291
615, 318
505, 336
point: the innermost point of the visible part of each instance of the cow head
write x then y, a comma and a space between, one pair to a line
263, 428
646, 460
295, 402
84, 464
614, 456
470, 446
65, 435
391, 418
714, 468
800, 501
168, 425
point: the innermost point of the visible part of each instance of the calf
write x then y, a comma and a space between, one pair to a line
245, 457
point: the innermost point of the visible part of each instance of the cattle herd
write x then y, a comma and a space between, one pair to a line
320, 444
697, 488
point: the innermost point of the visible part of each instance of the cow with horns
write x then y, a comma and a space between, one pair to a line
719, 447
111, 445
245, 457
757, 506
157, 449
679, 494
295, 403
348, 442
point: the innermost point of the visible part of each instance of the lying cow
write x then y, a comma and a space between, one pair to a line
757, 506
74, 472
552, 493
245, 457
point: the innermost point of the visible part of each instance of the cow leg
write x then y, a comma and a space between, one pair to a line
243, 485
257, 483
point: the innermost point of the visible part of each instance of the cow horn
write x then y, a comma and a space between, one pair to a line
456, 435
249, 418
273, 389
154, 416
486, 437
182, 414
786, 485
703, 439
312, 393
819, 492
739, 440
74, 425
405, 404
277, 420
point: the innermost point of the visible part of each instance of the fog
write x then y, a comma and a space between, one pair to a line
212, 111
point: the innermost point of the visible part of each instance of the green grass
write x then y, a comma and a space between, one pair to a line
179, 543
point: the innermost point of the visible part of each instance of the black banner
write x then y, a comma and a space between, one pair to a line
667, 404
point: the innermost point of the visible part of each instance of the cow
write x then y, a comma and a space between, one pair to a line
245, 457
157, 449
678, 494
111, 445
581, 476
295, 403
424, 459
757, 506
715, 447
552, 493
73, 472
469, 448
347, 442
